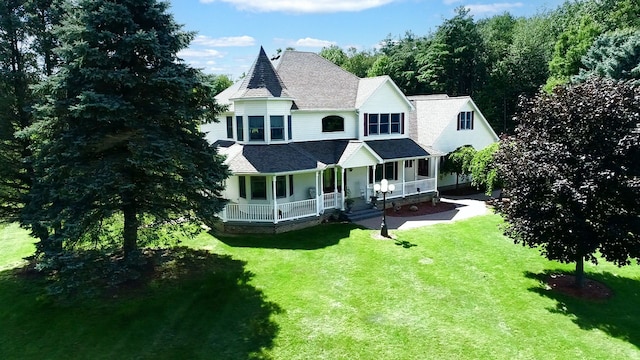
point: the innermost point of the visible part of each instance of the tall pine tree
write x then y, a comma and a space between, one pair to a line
119, 134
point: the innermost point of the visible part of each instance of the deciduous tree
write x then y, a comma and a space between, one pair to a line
459, 162
572, 174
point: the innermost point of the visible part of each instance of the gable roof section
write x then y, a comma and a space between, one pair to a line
316, 83
368, 86
435, 113
261, 81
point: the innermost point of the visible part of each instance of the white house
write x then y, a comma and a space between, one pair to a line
446, 123
304, 135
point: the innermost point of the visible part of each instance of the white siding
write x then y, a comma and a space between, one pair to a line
216, 130
386, 99
357, 181
307, 125
361, 158
452, 138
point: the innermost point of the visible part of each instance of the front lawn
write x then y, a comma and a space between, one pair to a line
450, 291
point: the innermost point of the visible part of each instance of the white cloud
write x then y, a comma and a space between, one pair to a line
485, 9
304, 6
449, 2
244, 40
314, 43
199, 53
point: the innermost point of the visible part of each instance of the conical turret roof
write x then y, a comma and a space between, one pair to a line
262, 81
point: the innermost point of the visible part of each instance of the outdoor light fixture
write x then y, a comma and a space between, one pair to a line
384, 187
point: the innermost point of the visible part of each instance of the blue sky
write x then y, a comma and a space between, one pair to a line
230, 32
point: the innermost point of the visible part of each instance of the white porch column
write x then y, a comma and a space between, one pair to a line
436, 160
344, 186
367, 196
335, 185
403, 178
275, 200
319, 196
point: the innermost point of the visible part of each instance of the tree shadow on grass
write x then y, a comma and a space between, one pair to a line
317, 237
618, 316
198, 306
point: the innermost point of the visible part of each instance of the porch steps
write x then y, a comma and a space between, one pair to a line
362, 210
362, 214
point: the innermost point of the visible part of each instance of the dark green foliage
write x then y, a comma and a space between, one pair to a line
570, 47
613, 55
459, 162
399, 60
25, 56
218, 83
483, 169
453, 62
572, 173
119, 132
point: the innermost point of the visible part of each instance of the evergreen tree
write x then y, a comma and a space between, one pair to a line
614, 55
119, 133
454, 61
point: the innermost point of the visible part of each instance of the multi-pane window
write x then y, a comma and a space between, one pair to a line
281, 186
387, 171
256, 128
381, 124
240, 128
332, 123
277, 127
395, 124
374, 124
384, 123
465, 120
258, 187
423, 167
229, 127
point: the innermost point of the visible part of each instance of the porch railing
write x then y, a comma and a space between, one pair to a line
410, 188
265, 212
297, 209
248, 212
332, 200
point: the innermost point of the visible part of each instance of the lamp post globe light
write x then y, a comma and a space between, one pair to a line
384, 187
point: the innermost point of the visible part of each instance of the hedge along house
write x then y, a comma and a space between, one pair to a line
301, 137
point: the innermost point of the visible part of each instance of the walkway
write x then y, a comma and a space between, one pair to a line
466, 207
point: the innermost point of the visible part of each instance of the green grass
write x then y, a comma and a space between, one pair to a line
454, 291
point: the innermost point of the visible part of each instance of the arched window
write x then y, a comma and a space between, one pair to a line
332, 123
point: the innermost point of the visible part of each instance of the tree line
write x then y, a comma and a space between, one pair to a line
498, 59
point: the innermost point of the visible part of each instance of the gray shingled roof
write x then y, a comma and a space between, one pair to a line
316, 83
270, 159
262, 80
311, 155
397, 148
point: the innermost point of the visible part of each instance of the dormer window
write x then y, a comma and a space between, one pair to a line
256, 128
332, 123
465, 120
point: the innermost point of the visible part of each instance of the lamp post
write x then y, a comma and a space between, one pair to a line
384, 187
